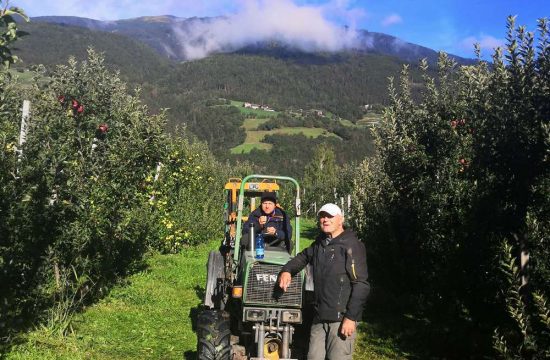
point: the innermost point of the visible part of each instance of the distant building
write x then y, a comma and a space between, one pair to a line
317, 112
257, 106
251, 106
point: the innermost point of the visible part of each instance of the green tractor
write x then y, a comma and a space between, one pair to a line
246, 315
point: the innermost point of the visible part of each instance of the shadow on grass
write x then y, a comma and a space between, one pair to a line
190, 355
17, 320
193, 315
200, 291
392, 333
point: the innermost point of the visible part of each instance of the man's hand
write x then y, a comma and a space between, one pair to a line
284, 280
347, 328
262, 220
270, 230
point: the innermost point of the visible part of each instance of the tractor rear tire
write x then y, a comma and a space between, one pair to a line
213, 335
215, 296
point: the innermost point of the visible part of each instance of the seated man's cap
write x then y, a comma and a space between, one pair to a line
331, 209
269, 195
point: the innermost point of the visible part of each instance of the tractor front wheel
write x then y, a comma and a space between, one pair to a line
213, 333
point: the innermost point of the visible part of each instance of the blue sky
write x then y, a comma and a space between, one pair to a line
451, 26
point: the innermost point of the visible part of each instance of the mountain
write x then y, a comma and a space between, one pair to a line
171, 36
51, 44
271, 73
158, 32
383, 44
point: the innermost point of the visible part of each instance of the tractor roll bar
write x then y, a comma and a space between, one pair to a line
241, 205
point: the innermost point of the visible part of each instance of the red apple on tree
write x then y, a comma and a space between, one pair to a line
103, 128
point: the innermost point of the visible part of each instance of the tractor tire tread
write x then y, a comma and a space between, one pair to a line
213, 333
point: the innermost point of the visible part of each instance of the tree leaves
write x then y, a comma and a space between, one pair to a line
462, 167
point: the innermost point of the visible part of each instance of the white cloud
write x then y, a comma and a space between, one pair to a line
486, 42
123, 9
392, 20
303, 27
302, 24
342, 11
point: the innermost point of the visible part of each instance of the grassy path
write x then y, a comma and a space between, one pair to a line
149, 317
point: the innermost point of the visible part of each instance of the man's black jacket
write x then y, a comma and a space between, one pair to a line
339, 274
279, 220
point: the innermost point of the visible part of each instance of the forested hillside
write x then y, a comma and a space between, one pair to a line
339, 84
51, 45
170, 35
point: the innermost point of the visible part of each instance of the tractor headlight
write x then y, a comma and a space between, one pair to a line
291, 316
254, 315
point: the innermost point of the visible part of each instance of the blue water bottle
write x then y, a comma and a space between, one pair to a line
259, 246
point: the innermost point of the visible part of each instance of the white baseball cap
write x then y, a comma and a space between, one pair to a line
331, 209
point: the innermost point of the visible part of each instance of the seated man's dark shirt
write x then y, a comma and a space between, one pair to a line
279, 220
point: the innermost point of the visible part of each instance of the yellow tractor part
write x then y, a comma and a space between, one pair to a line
271, 349
234, 184
252, 190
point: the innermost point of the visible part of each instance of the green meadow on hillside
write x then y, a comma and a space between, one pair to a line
254, 138
369, 119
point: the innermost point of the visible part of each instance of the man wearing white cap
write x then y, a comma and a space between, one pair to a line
340, 275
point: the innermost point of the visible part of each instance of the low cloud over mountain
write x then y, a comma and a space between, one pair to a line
257, 25
300, 27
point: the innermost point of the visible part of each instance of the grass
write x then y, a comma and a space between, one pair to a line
347, 122
259, 135
254, 138
150, 317
23, 76
370, 119
25, 79
246, 148
252, 124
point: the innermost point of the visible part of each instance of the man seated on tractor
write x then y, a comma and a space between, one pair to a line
272, 221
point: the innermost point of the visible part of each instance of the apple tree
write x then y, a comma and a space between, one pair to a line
8, 31
77, 216
456, 172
